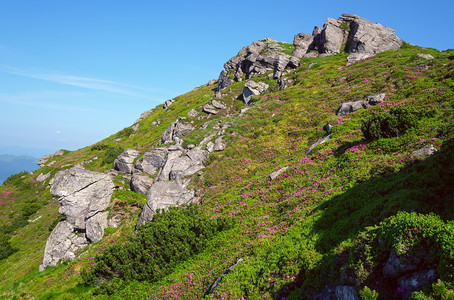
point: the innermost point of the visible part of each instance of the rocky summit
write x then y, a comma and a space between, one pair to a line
321, 169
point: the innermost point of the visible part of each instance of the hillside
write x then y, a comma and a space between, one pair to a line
313, 170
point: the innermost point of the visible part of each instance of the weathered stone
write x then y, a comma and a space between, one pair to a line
211, 82
303, 43
332, 37
192, 113
280, 63
162, 195
415, 282
95, 226
43, 160
275, 174
217, 104
223, 81
144, 115
218, 144
395, 268
426, 56
328, 128
152, 160
209, 109
42, 177
59, 152
320, 141
424, 152
368, 37
350, 107
124, 163
210, 147
219, 279
167, 103
141, 183
252, 88
176, 129
346, 293
354, 57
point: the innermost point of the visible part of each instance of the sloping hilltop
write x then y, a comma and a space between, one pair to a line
321, 169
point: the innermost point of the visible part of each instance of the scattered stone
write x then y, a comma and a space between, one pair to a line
218, 144
135, 127
42, 177
350, 107
124, 163
311, 65
252, 88
273, 175
167, 103
209, 109
426, 56
328, 128
59, 152
217, 104
210, 147
320, 141
43, 160
424, 152
354, 57
395, 268
415, 282
243, 110
192, 113
211, 82
176, 129
141, 183
152, 160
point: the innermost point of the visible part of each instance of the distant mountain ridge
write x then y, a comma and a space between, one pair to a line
12, 164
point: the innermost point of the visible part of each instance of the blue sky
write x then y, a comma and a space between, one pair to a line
75, 72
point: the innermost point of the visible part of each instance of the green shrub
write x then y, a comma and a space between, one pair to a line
99, 146
111, 154
392, 123
159, 246
5, 247
56, 221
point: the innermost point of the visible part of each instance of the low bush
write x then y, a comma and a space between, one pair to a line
111, 154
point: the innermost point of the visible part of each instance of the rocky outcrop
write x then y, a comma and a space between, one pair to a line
141, 183
414, 282
124, 163
83, 195
252, 88
176, 130
342, 292
303, 43
424, 152
152, 160
42, 177
394, 267
425, 56
192, 113
167, 103
223, 81
43, 160
144, 115
350, 107
280, 63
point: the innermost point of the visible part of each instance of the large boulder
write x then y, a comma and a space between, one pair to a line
43, 160
223, 81
394, 267
84, 196
349, 107
354, 57
252, 88
415, 282
280, 63
167, 103
332, 37
141, 183
162, 195
303, 44
124, 163
152, 160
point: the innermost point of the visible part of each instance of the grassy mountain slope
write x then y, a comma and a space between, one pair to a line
331, 218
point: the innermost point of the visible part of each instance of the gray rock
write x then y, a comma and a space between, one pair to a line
141, 183
218, 144
42, 177
210, 147
217, 104
167, 103
332, 37
59, 152
350, 107
243, 110
275, 174
280, 63
346, 293
94, 228
415, 282
43, 160
328, 128
252, 88
211, 82
62, 244
124, 163
176, 130
198, 156
144, 115
152, 160
162, 195
368, 37
223, 81
219, 279
426, 56
424, 152
395, 268
303, 43
192, 113
354, 57
209, 109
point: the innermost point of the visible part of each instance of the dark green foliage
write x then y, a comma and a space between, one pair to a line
5, 247
30, 209
16, 179
111, 154
392, 123
99, 146
159, 246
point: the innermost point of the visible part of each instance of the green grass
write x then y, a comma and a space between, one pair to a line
309, 227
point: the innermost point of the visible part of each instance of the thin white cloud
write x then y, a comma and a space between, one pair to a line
82, 82
58, 131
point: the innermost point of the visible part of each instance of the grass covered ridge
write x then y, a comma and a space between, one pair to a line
331, 218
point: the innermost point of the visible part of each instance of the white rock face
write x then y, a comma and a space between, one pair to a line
84, 195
